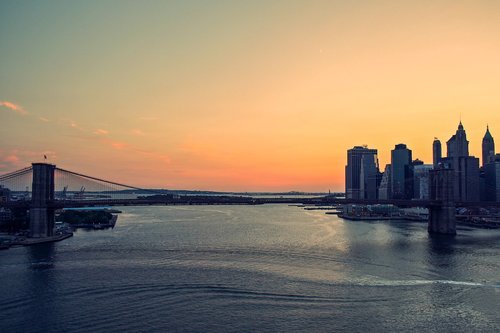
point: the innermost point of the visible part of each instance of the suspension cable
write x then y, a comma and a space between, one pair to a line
99, 179
16, 173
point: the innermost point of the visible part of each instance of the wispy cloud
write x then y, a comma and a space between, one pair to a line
9, 161
14, 107
101, 131
155, 155
45, 120
137, 132
12, 159
118, 145
126, 147
72, 124
17, 158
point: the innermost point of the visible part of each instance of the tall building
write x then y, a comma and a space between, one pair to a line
436, 152
4, 194
488, 147
457, 145
384, 190
421, 180
361, 173
466, 168
492, 179
369, 177
401, 172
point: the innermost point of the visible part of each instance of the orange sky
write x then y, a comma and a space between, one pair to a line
246, 95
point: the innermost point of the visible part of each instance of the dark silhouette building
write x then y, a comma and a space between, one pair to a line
457, 145
488, 147
362, 173
466, 168
492, 180
385, 188
401, 172
421, 179
436, 152
4, 194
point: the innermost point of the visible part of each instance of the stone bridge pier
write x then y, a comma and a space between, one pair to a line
442, 217
41, 212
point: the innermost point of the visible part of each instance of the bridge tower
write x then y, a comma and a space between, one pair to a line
41, 212
442, 216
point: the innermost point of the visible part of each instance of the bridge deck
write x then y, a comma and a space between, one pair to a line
57, 204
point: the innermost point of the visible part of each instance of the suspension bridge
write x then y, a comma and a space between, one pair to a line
67, 185
43, 188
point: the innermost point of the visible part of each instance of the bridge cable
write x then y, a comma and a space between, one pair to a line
99, 179
16, 173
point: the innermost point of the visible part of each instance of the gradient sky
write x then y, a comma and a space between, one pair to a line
241, 95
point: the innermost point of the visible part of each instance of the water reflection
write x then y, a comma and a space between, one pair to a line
41, 287
41, 256
441, 244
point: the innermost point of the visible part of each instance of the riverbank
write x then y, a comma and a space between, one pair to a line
381, 218
461, 222
51, 239
98, 226
27, 241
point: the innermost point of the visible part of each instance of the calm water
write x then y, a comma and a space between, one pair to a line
249, 269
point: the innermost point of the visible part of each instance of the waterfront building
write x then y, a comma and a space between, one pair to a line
384, 190
436, 152
482, 185
492, 180
4, 194
421, 180
457, 145
417, 162
466, 180
488, 147
466, 168
361, 173
369, 177
401, 172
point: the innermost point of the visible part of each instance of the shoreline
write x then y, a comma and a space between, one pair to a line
34, 241
416, 219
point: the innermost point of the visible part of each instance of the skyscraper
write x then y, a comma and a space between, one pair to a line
369, 177
457, 145
492, 179
361, 173
436, 152
401, 172
488, 147
466, 168
384, 190
421, 180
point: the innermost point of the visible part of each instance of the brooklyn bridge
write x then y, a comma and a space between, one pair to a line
44, 188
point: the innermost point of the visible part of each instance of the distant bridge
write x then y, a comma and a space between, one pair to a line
43, 188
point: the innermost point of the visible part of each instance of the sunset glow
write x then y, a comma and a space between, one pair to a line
241, 95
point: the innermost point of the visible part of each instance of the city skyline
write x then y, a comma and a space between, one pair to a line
248, 96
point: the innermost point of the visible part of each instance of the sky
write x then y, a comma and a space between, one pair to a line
241, 95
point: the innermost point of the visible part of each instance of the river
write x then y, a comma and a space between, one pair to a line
269, 268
